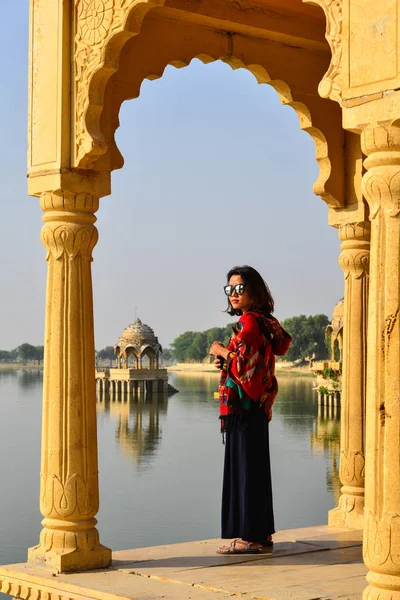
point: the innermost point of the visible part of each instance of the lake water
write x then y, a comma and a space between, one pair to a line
161, 462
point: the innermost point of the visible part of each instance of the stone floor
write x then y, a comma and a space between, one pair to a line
315, 563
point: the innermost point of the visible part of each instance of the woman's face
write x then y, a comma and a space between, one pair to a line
242, 302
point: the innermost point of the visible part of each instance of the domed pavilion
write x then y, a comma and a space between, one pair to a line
138, 340
138, 367
329, 372
335, 330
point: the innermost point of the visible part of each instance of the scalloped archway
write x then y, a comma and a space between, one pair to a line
134, 53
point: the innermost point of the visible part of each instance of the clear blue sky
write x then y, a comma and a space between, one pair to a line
216, 173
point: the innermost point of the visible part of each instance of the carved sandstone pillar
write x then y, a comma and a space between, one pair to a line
69, 496
354, 261
381, 186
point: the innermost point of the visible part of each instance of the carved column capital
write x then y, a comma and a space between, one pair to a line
353, 233
69, 224
381, 182
354, 260
380, 137
68, 201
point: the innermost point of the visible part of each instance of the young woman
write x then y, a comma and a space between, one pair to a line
247, 390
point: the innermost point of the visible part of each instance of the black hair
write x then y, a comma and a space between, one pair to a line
262, 300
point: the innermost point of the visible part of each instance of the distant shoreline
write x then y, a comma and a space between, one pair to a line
18, 366
283, 368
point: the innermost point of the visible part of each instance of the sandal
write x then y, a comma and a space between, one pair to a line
232, 548
267, 543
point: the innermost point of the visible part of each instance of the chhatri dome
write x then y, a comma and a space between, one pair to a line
140, 340
138, 365
337, 316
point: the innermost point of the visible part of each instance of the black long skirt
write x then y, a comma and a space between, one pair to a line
247, 509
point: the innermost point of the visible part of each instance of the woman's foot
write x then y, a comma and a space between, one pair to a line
267, 542
240, 547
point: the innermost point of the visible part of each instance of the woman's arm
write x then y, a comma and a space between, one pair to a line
243, 364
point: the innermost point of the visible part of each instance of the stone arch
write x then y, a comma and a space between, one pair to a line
119, 351
149, 352
131, 350
112, 83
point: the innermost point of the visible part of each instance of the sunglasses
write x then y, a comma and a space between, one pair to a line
238, 288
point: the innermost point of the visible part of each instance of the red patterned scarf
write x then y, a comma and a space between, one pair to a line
249, 371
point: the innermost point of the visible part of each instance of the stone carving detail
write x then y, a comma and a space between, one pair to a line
381, 187
352, 467
68, 201
75, 236
371, 593
356, 264
349, 509
66, 539
29, 591
330, 86
383, 192
71, 240
63, 499
93, 69
382, 545
96, 22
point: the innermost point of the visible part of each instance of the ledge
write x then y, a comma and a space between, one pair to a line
314, 562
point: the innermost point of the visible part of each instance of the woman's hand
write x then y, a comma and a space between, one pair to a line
217, 349
218, 362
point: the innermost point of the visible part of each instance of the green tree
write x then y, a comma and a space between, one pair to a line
39, 354
168, 355
227, 334
106, 353
5, 356
14, 354
195, 345
308, 336
27, 352
181, 344
198, 349
214, 334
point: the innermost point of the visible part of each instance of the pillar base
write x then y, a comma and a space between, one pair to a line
73, 561
382, 587
69, 551
349, 513
373, 593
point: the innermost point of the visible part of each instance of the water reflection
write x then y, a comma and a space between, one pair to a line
148, 447
25, 378
30, 379
8, 374
297, 406
202, 385
325, 438
296, 403
138, 429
